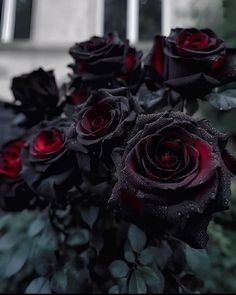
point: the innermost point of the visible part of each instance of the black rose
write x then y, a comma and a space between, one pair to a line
173, 176
190, 61
100, 126
37, 94
107, 60
48, 167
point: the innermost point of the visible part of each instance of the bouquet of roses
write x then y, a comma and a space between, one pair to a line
116, 181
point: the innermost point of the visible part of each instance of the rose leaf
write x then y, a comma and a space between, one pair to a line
137, 283
198, 262
153, 279
16, 261
89, 215
38, 286
223, 101
148, 255
44, 261
137, 238
114, 290
119, 269
58, 282
78, 238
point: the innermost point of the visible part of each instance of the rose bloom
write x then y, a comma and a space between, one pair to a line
190, 61
100, 127
37, 95
14, 193
108, 60
173, 175
48, 167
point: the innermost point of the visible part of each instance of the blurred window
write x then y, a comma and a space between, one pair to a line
1, 5
115, 16
149, 19
147, 22
15, 20
23, 19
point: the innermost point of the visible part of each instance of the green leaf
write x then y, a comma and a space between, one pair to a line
16, 261
148, 255
198, 262
137, 284
119, 269
130, 256
77, 280
123, 285
44, 261
8, 241
58, 282
36, 227
49, 239
38, 286
137, 238
89, 215
114, 290
224, 101
78, 238
153, 278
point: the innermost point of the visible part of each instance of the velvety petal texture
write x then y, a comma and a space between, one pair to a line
172, 175
106, 62
48, 167
189, 61
100, 127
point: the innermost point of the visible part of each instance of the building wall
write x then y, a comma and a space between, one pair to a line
64, 22
57, 24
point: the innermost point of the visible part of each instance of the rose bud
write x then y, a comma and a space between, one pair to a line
173, 176
14, 193
37, 94
189, 61
101, 61
100, 126
48, 167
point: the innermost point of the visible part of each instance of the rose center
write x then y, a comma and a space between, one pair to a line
98, 122
47, 141
167, 157
196, 41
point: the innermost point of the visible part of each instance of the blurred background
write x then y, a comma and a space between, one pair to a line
36, 33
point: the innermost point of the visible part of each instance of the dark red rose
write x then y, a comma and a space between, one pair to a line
99, 57
196, 40
48, 167
14, 193
172, 176
100, 126
47, 142
10, 161
189, 61
37, 94
102, 61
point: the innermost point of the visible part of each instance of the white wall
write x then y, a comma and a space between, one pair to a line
65, 21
